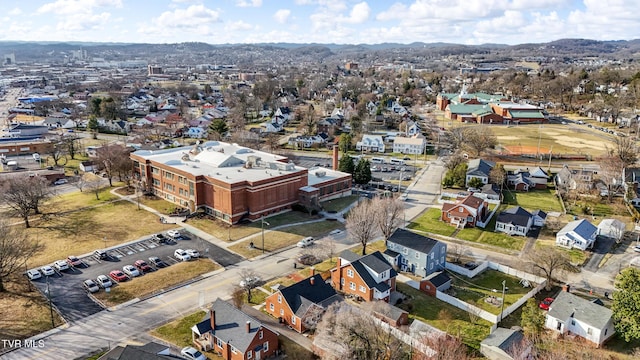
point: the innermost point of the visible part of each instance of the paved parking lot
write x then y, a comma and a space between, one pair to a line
71, 299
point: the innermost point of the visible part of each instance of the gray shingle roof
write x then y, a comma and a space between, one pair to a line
231, 325
438, 278
515, 215
150, 351
413, 241
504, 339
568, 305
480, 167
301, 295
375, 261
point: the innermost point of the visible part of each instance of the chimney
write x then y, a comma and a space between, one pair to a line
212, 319
248, 326
312, 280
335, 157
313, 270
566, 287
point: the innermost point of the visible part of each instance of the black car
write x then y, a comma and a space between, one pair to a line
161, 238
100, 255
157, 262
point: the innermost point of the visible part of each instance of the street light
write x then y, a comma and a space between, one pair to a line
262, 228
53, 324
504, 284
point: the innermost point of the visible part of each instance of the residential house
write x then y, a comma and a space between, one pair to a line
514, 221
631, 176
392, 315
491, 192
371, 143
571, 314
579, 234
149, 351
415, 253
87, 166
612, 228
409, 145
523, 180
59, 123
196, 132
368, 277
575, 179
434, 282
233, 335
479, 168
307, 141
301, 305
506, 344
539, 218
466, 212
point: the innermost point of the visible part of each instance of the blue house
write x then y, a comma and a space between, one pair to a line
416, 253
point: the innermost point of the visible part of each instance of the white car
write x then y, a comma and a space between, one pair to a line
192, 354
34, 274
61, 265
251, 280
193, 253
308, 241
60, 182
636, 248
181, 255
335, 232
174, 234
130, 270
103, 281
90, 286
47, 270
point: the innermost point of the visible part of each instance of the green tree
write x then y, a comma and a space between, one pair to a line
207, 89
455, 176
345, 142
475, 183
218, 127
345, 164
626, 304
95, 106
362, 173
532, 320
93, 125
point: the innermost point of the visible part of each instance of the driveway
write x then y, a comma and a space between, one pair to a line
601, 248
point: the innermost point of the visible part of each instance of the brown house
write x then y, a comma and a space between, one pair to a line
368, 277
233, 334
465, 212
302, 304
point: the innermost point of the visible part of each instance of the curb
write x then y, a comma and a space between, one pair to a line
124, 304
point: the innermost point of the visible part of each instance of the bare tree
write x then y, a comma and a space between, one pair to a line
57, 153
610, 174
478, 139
23, 194
93, 183
389, 215
359, 223
15, 249
549, 261
248, 281
80, 182
354, 333
626, 150
237, 297
445, 347
112, 158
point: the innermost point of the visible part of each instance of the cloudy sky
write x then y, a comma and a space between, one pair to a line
322, 21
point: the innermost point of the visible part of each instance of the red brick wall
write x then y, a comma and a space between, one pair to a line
287, 313
455, 213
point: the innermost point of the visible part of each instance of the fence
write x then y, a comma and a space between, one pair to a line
513, 307
454, 198
482, 224
467, 307
467, 272
417, 344
514, 272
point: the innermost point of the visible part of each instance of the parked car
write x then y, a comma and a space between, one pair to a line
250, 281
131, 270
307, 259
47, 270
61, 265
193, 253
34, 274
308, 241
192, 354
181, 255
103, 281
335, 232
157, 262
160, 238
60, 182
90, 286
636, 248
142, 266
100, 255
118, 276
74, 261
544, 305
175, 234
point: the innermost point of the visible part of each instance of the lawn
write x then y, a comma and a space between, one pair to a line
371, 247
430, 221
158, 204
24, 312
456, 322
278, 239
339, 204
596, 208
491, 237
293, 350
178, 332
474, 291
577, 256
83, 231
544, 200
156, 281
77, 200
257, 297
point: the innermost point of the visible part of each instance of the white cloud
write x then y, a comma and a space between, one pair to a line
251, 3
70, 7
92, 22
239, 26
330, 16
14, 12
359, 13
282, 15
191, 17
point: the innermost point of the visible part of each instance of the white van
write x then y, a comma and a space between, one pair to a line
394, 161
305, 242
377, 160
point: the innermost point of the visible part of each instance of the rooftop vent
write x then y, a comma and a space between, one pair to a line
321, 173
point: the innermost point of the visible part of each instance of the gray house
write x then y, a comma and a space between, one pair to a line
415, 253
480, 169
514, 221
505, 344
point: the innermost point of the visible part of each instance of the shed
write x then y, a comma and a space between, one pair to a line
611, 228
505, 344
437, 281
87, 166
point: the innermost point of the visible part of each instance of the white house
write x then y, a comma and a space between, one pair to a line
196, 132
306, 141
612, 228
514, 221
371, 143
571, 313
409, 145
480, 169
579, 234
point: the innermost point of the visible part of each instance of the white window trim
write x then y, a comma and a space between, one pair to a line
266, 346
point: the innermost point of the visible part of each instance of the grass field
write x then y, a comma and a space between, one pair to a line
491, 237
430, 221
371, 247
83, 231
577, 256
544, 200
156, 281
24, 312
428, 309
597, 207
339, 204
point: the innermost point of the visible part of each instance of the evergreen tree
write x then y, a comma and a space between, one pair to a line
345, 164
626, 304
218, 127
362, 173
345, 142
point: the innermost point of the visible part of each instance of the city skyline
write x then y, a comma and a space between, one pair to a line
469, 22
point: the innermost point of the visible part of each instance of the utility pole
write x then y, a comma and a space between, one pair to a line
53, 324
262, 228
504, 284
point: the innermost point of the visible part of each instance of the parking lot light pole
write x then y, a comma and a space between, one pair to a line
262, 228
53, 324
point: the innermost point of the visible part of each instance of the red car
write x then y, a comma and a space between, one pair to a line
142, 266
544, 305
118, 276
74, 261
